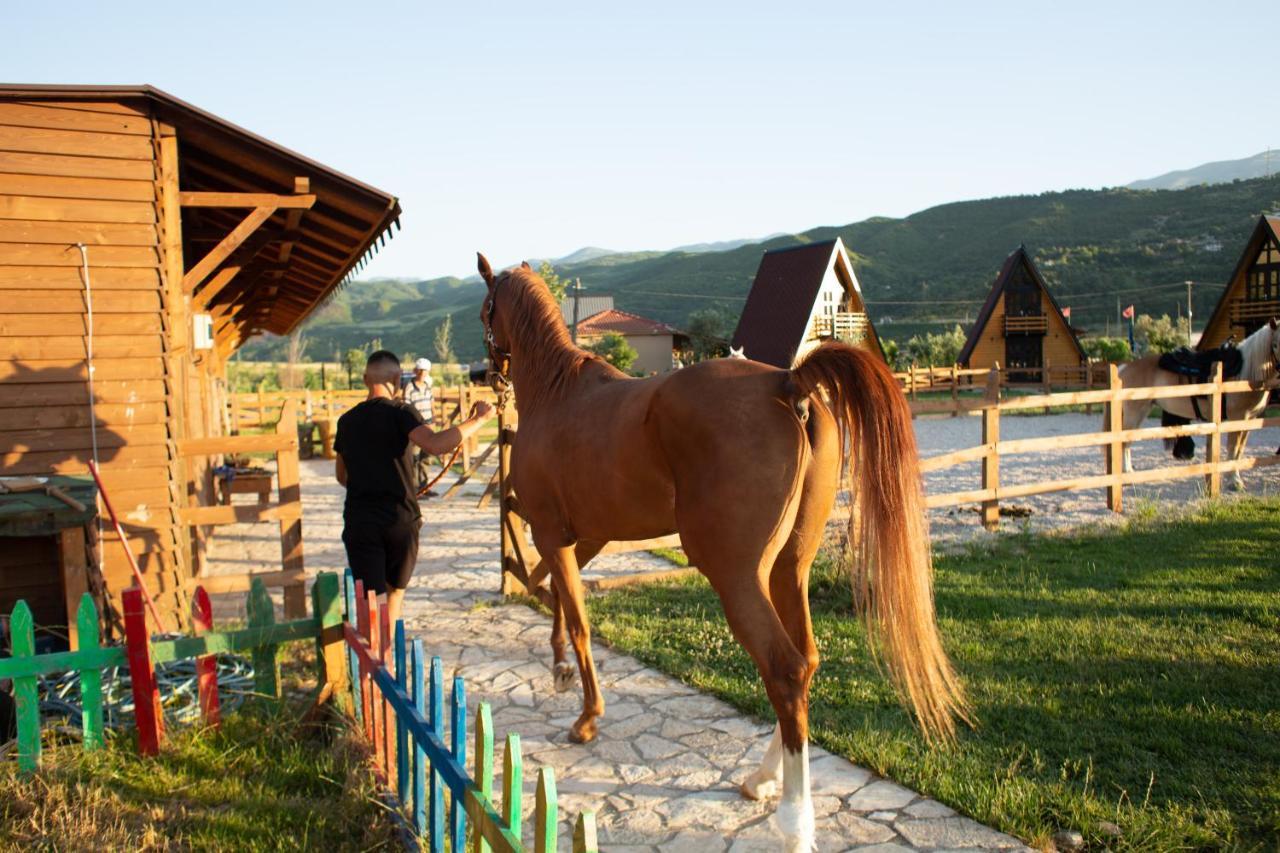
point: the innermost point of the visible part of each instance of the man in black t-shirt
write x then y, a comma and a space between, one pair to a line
375, 444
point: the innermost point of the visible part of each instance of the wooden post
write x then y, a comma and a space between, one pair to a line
510, 584
1115, 450
955, 390
290, 493
991, 461
146, 695
307, 409
1213, 446
75, 576
911, 382
1088, 384
206, 665
1046, 381
235, 412
331, 657
262, 407
266, 665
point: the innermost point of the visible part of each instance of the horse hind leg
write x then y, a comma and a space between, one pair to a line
1238, 440
572, 600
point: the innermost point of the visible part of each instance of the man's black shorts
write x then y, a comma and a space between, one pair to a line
382, 555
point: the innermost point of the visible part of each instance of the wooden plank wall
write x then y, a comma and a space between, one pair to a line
85, 172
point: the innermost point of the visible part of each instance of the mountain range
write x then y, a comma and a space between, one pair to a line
1261, 165
926, 271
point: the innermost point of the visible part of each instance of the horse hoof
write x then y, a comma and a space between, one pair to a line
763, 789
583, 731
563, 675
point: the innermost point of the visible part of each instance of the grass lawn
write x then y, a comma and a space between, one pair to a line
1130, 677
263, 782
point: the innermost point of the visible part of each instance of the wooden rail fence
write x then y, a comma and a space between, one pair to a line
1113, 438
400, 712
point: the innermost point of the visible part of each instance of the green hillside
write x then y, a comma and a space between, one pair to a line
931, 268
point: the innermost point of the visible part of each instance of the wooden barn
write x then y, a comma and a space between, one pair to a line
142, 241
1021, 325
801, 296
1252, 294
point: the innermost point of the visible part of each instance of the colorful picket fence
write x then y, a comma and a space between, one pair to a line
408, 706
405, 727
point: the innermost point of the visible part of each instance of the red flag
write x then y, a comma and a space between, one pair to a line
1127, 313
1066, 313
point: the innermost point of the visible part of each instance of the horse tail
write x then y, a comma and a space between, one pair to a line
891, 570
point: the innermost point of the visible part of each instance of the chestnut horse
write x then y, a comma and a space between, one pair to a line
1261, 360
743, 460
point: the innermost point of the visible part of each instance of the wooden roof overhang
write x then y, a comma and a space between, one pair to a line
268, 234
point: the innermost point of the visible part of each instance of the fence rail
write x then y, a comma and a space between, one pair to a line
1113, 438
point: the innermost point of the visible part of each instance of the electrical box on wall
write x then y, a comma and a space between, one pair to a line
203, 331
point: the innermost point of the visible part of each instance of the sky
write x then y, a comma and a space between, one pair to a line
529, 130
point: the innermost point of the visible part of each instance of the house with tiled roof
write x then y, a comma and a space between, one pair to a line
801, 296
656, 344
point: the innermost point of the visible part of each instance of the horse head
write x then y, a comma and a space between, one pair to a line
497, 335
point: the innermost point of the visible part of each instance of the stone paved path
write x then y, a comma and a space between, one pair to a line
664, 772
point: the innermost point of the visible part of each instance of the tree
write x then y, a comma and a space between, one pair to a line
1159, 335
442, 340
891, 352
555, 283
708, 330
354, 361
936, 350
1107, 349
614, 349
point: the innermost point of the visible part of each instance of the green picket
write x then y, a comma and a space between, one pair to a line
512, 784
90, 677
546, 813
266, 665
484, 769
26, 693
584, 833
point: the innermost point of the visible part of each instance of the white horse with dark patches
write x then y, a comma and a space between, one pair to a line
1261, 360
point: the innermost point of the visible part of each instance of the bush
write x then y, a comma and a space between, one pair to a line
1107, 349
614, 349
936, 350
1159, 335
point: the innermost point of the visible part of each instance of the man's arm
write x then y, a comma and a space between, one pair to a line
444, 441
340, 471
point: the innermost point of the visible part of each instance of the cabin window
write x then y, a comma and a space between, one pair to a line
1021, 295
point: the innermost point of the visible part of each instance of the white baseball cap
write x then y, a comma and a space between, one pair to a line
422, 364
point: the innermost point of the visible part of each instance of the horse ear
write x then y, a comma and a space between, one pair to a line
1273, 324
524, 265
486, 271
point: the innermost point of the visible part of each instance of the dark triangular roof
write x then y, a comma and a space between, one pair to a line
1018, 255
1268, 226
776, 315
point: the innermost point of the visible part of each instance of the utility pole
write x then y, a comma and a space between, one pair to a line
577, 297
1189, 314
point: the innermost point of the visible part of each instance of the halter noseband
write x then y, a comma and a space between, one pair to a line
499, 359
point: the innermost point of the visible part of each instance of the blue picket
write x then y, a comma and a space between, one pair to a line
457, 810
402, 734
349, 595
419, 754
437, 725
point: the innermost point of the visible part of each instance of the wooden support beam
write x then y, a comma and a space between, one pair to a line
200, 199
219, 253
235, 265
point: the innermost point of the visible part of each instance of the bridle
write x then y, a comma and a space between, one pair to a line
499, 359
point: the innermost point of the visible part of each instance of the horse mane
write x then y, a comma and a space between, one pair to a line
542, 352
1256, 351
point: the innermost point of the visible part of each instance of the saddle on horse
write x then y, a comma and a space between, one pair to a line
1197, 366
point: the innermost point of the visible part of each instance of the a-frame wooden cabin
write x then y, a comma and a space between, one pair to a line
801, 296
1252, 295
146, 240
1021, 325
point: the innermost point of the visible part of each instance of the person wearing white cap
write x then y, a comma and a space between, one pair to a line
416, 391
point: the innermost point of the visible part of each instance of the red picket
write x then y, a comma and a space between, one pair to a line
379, 707
146, 695
206, 666
362, 625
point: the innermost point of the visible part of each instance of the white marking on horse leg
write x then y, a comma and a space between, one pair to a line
763, 784
1128, 460
795, 811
